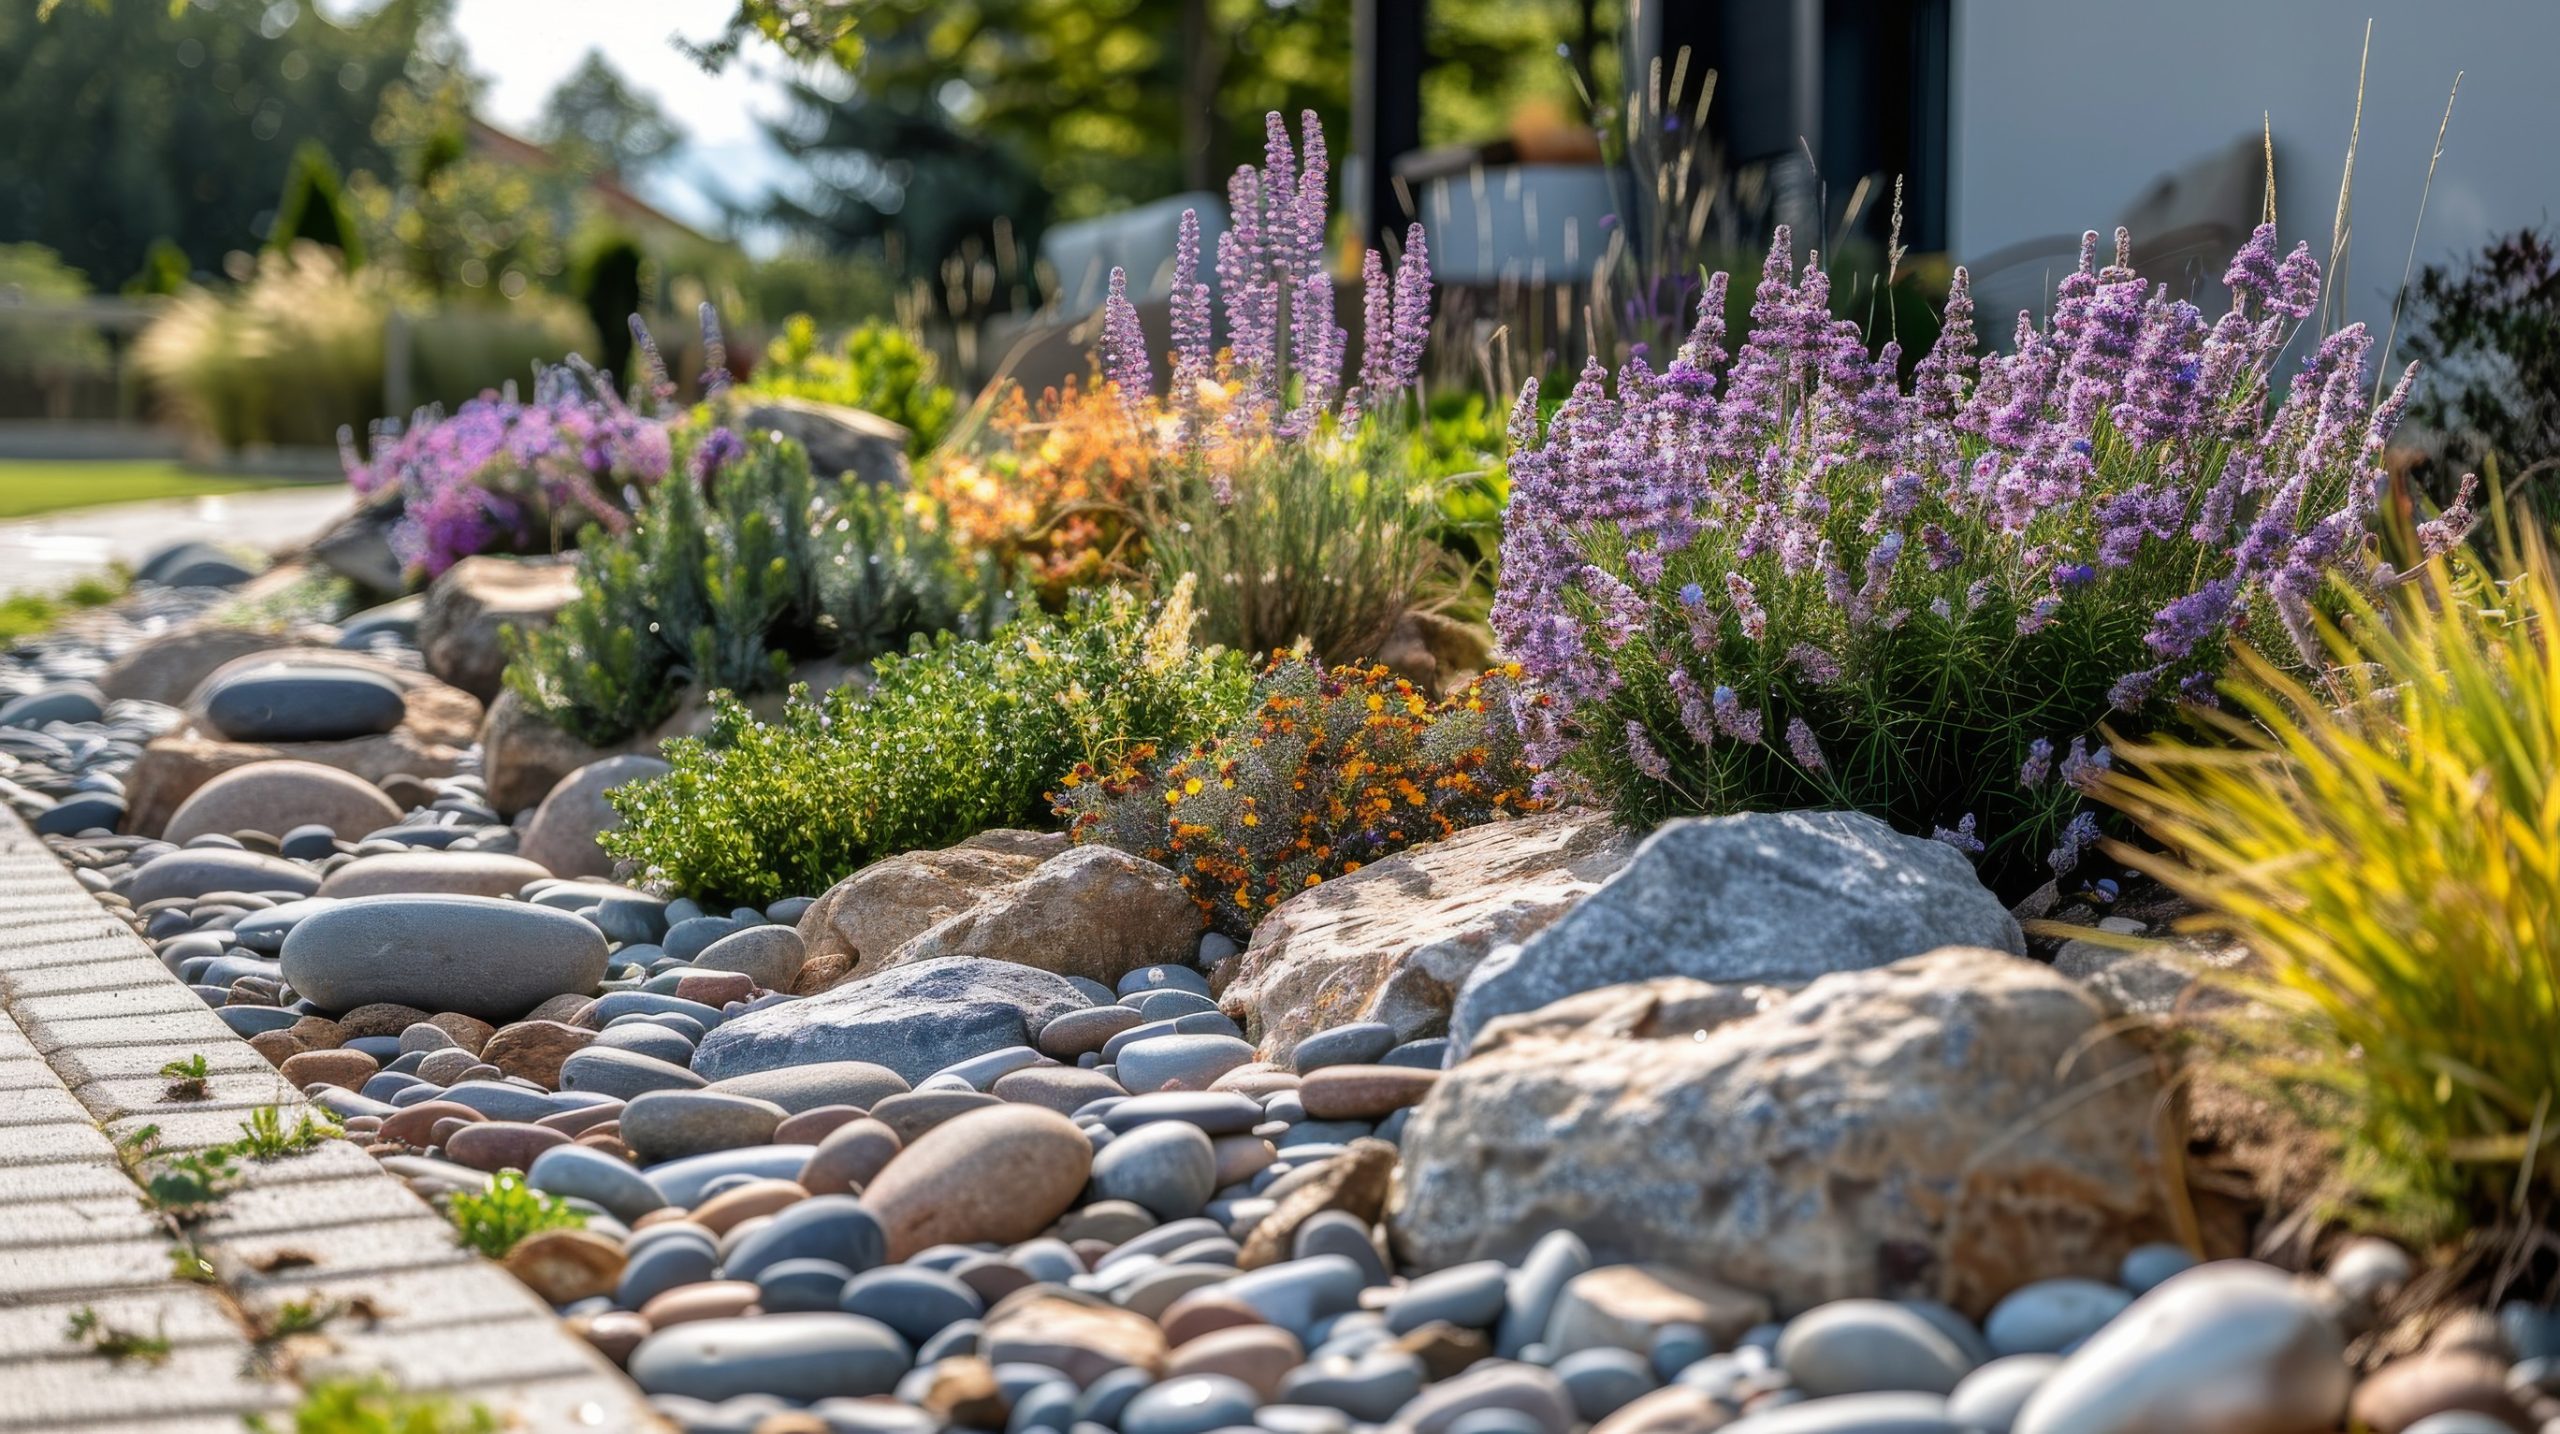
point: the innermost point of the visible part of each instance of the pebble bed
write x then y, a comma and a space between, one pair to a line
1120, 1221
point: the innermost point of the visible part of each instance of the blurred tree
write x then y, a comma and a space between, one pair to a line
595, 121
1097, 104
181, 124
806, 30
607, 281
459, 221
314, 207
2488, 349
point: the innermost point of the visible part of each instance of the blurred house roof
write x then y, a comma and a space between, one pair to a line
646, 220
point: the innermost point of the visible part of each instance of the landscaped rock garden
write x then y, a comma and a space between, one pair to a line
1105, 1035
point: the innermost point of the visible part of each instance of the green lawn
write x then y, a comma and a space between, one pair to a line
44, 486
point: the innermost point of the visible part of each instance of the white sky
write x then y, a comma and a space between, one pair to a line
523, 48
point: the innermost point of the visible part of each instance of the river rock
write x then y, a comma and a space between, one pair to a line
196, 871
767, 955
1094, 912
301, 702
564, 1266
433, 873
1859, 1346
671, 1124
915, 1020
1081, 1337
167, 669
1768, 898
1166, 1166
275, 797
1626, 1306
562, 834
533, 1050
998, 1175
2226, 1348
1394, 941
1881, 1132
803, 1357
60, 702
491, 959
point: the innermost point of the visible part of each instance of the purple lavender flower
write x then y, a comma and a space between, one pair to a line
1802, 746
1960, 836
2077, 837
1124, 347
1647, 757
1733, 719
2039, 764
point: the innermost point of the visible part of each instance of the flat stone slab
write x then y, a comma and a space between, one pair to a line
90, 1017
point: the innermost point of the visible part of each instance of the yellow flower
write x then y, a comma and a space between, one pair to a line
1191, 788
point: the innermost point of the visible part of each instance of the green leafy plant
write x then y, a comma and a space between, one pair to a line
879, 368
1331, 769
2382, 841
186, 1078
953, 738
264, 1135
723, 581
373, 1406
115, 1343
499, 1217
188, 1265
23, 615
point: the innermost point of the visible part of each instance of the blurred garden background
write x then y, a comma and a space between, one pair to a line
230, 229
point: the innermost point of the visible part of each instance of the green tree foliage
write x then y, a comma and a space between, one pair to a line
180, 124
314, 207
595, 121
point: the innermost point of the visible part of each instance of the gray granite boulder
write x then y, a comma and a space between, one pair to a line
1769, 898
913, 1019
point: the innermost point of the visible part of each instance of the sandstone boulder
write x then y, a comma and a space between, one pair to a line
1395, 940
169, 668
469, 605
1094, 912
1952, 1125
873, 912
1774, 898
562, 834
275, 797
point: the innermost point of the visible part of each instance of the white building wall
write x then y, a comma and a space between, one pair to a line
2065, 110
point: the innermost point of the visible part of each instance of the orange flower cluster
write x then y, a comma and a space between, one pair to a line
1046, 486
1333, 768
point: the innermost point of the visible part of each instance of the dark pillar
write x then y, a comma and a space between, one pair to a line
1386, 107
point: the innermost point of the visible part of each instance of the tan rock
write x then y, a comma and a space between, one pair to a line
880, 908
1354, 1181
998, 1175
349, 1069
1079, 1336
565, 1266
278, 1046
709, 1299
534, 1049
275, 797
380, 1018
1624, 1306
1395, 940
962, 1391
1094, 912
439, 873
2408, 1390
169, 668
1677, 1409
1445, 1349
562, 834
469, 1032
468, 605
1353, 1092
614, 1333
822, 973
745, 1202
1259, 1355
495, 1145
1954, 1124
1205, 1312
415, 1125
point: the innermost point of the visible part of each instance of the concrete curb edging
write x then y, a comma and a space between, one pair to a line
92, 1016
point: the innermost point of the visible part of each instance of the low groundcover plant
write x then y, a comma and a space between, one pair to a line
1790, 580
952, 738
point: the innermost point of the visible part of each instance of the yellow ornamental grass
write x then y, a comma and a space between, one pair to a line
2389, 847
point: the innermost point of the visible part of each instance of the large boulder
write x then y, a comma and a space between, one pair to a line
914, 1019
487, 958
357, 546
469, 605
1094, 911
1395, 940
169, 668
436, 726
1772, 898
882, 907
562, 834
1952, 1125
840, 440
275, 797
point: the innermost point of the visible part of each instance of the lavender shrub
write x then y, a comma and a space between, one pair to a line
1296, 501
1786, 579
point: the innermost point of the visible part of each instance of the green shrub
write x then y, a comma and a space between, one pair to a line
1332, 768
953, 738
879, 369
721, 583
2383, 843
504, 1212
373, 1406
